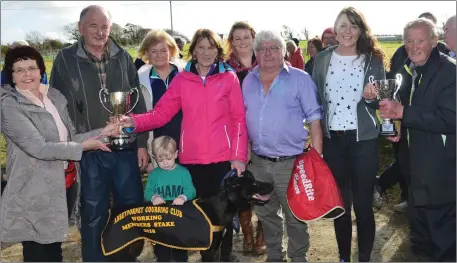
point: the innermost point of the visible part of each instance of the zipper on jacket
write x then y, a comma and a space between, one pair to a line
226, 134
182, 141
238, 139
374, 121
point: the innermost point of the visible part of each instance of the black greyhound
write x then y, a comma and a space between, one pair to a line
220, 210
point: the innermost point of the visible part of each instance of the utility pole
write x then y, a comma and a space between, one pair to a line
171, 17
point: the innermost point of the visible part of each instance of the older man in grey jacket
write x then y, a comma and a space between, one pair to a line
97, 62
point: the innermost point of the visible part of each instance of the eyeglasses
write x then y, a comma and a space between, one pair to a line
273, 49
329, 38
22, 71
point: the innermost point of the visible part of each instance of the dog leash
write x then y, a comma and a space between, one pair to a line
231, 173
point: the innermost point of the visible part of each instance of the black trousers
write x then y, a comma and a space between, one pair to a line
36, 252
393, 175
207, 180
436, 225
354, 166
166, 254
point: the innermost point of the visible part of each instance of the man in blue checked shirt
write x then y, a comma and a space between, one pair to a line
278, 98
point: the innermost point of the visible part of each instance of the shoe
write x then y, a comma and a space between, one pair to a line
401, 207
236, 224
248, 231
229, 258
377, 198
260, 245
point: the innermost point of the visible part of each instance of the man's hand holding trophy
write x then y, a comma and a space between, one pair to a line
390, 108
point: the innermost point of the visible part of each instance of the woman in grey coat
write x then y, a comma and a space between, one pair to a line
41, 145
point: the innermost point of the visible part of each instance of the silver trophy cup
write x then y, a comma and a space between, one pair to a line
387, 89
119, 104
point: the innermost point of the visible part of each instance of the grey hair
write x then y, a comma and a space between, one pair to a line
86, 10
19, 43
269, 35
451, 20
421, 22
291, 43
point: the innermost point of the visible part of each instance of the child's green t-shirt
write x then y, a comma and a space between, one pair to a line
170, 184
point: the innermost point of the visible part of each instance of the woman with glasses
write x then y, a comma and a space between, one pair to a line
329, 38
350, 123
213, 137
241, 57
160, 52
42, 150
278, 97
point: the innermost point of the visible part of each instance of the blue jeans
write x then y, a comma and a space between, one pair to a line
100, 173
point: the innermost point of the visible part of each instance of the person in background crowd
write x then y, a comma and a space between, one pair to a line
97, 62
390, 177
42, 150
4, 81
169, 175
139, 63
450, 35
160, 51
350, 123
428, 115
329, 38
239, 49
314, 46
180, 42
295, 55
277, 98
213, 129
296, 41
241, 57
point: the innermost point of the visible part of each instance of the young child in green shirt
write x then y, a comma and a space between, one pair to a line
168, 182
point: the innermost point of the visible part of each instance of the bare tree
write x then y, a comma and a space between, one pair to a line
72, 31
286, 32
133, 32
34, 38
117, 32
305, 33
176, 33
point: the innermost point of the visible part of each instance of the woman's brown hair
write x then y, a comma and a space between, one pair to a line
238, 25
317, 44
213, 39
366, 43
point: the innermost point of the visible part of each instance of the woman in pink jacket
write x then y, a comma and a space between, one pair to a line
213, 131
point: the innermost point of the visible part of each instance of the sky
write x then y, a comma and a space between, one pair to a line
49, 17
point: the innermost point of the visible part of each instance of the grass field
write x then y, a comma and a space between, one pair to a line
386, 152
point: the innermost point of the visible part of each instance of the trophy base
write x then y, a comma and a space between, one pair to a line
387, 129
388, 133
121, 143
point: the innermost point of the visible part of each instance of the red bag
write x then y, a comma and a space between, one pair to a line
312, 192
70, 174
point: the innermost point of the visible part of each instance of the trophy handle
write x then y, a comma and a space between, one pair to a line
137, 98
399, 79
100, 98
371, 79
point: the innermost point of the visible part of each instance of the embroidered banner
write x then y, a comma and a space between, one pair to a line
184, 227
